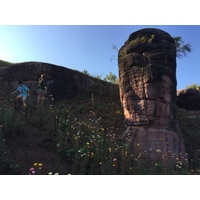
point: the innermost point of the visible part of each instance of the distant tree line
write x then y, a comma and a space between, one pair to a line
110, 77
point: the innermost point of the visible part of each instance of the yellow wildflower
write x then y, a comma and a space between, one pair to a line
40, 164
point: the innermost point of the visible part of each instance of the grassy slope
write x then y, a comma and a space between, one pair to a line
97, 111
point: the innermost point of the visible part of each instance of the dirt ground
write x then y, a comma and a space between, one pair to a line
28, 148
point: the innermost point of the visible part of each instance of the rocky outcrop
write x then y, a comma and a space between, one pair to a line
147, 72
63, 83
188, 99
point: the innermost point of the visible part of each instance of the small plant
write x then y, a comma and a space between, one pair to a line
81, 109
143, 39
36, 170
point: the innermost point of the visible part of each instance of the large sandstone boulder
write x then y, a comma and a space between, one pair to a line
188, 99
147, 72
63, 83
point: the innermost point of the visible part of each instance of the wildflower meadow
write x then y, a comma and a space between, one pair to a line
82, 135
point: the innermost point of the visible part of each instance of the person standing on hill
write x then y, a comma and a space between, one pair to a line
24, 92
42, 89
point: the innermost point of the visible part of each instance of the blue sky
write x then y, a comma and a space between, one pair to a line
89, 47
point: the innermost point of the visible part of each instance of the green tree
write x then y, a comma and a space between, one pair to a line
112, 78
86, 72
181, 48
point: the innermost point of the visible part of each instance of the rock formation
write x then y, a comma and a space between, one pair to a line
63, 83
147, 72
188, 99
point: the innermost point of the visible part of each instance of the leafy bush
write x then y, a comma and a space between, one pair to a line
195, 86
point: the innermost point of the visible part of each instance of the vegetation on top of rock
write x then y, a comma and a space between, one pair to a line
181, 48
4, 63
195, 86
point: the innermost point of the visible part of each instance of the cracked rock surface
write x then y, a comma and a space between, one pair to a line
147, 72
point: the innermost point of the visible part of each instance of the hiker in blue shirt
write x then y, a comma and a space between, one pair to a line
23, 93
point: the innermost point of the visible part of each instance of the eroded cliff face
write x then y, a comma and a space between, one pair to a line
147, 72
